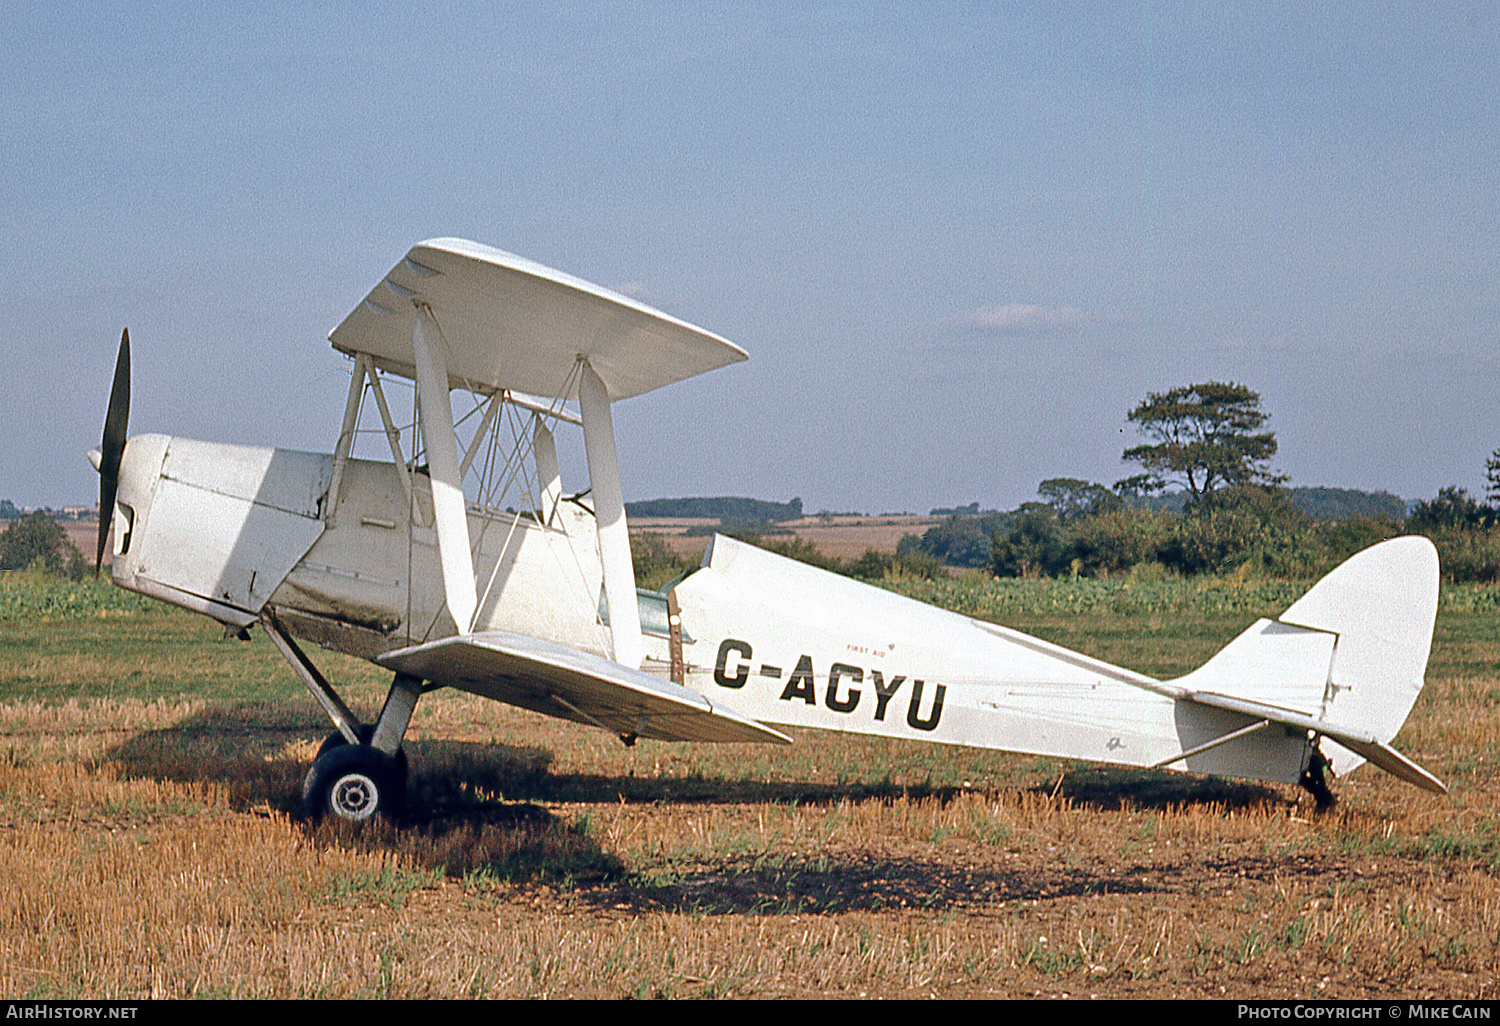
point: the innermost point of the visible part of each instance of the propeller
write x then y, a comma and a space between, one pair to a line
113, 446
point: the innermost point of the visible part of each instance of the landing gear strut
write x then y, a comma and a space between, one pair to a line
1314, 779
360, 771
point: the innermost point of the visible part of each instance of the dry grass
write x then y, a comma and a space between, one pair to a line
150, 847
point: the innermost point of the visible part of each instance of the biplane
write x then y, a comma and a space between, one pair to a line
463, 561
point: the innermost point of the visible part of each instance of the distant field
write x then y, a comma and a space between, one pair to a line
150, 844
841, 537
85, 535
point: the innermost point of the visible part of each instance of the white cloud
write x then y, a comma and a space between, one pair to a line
1025, 317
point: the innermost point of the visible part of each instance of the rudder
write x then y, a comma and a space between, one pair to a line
1382, 604
1351, 653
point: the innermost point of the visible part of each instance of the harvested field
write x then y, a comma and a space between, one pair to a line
150, 843
840, 537
851, 537
84, 534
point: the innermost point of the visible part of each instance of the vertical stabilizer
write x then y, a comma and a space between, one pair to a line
1382, 604
1351, 654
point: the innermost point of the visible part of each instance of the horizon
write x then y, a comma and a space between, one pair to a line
93, 508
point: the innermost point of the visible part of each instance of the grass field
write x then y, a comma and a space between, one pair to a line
150, 844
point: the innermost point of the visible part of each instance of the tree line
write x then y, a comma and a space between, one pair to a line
725, 509
1206, 447
35, 541
1204, 501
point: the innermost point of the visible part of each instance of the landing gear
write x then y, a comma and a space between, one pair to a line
1314, 779
359, 773
358, 782
355, 783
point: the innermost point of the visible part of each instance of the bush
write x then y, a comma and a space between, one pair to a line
875, 565
1472, 555
1037, 545
800, 549
1333, 542
36, 541
957, 541
1233, 526
655, 561
1113, 543
1253, 529
1453, 507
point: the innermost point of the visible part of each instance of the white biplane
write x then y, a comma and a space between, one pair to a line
417, 564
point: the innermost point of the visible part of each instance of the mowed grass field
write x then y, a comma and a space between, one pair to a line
151, 846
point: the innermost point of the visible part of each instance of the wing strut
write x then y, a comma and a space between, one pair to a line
609, 514
362, 366
549, 481
328, 698
442, 462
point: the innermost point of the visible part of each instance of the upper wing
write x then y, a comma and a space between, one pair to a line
512, 323
573, 685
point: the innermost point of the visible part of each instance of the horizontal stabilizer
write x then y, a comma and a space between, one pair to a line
1360, 742
1273, 663
572, 685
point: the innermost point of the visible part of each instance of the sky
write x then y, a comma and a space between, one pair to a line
959, 241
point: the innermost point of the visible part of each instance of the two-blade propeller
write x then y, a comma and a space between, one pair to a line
113, 446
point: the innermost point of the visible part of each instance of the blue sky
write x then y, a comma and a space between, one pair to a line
959, 241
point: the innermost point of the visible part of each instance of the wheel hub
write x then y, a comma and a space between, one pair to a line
354, 796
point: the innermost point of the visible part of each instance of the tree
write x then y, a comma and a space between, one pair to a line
1035, 547
36, 540
1071, 498
1204, 437
957, 541
1492, 474
1453, 507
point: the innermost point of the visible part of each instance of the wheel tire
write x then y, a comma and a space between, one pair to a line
354, 783
337, 739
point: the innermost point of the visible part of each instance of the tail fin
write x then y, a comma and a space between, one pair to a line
1349, 657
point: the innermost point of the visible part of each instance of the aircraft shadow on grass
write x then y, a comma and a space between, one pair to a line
477, 813
255, 750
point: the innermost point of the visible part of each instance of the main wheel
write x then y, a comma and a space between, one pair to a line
354, 783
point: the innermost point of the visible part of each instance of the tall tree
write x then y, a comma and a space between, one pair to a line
1204, 437
1452, 507
1492, 474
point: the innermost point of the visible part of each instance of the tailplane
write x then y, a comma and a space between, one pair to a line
1346, 661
